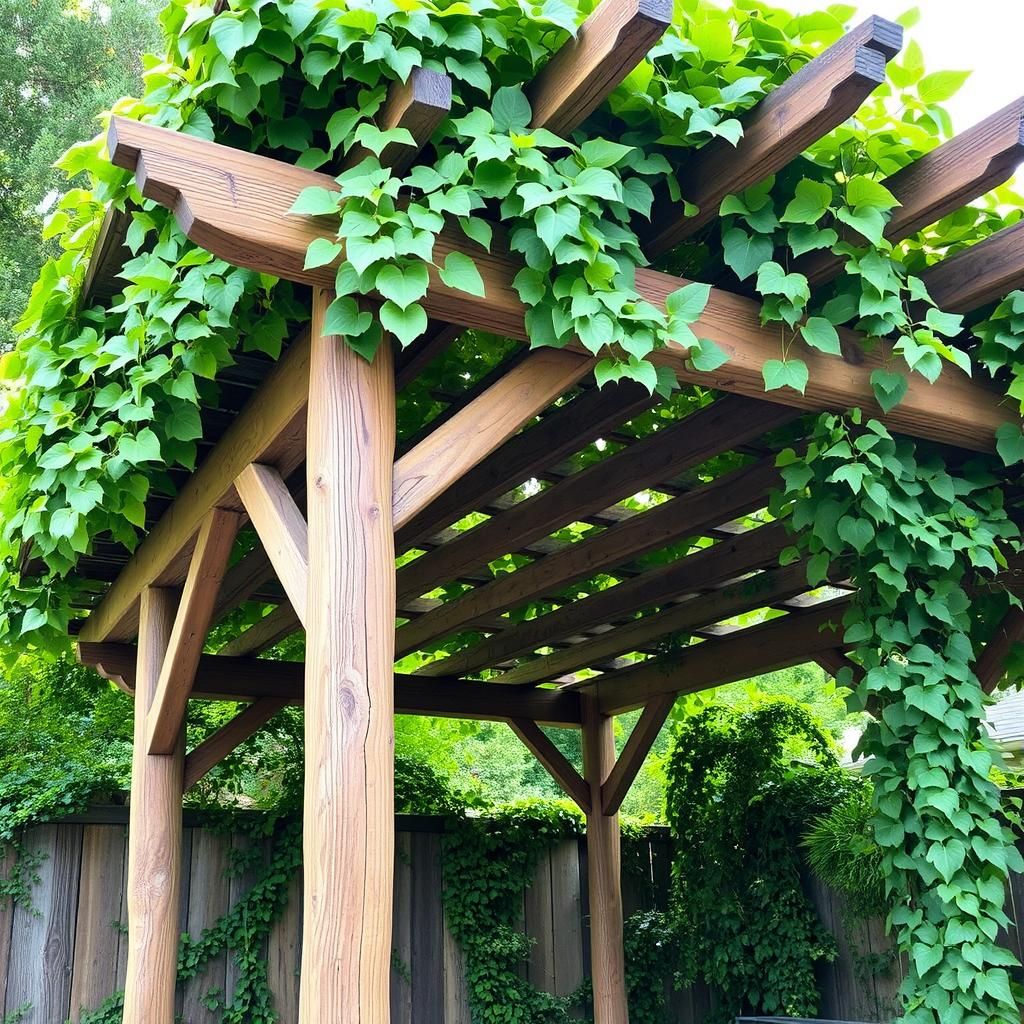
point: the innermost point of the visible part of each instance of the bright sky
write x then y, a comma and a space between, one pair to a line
982, 36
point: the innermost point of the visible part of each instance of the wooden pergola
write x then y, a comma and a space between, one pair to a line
304, 449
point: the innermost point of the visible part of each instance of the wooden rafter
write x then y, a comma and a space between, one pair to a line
663, 584
191, 624
691, 514
557, 764
231, 735
991, 664
281, 527
262, 635
779, 643
249, 679
634, 753
249, 225
808, 105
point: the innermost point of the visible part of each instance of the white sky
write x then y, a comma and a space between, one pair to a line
981, 36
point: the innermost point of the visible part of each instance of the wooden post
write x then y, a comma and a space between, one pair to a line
348, 835
154, 834
604, 872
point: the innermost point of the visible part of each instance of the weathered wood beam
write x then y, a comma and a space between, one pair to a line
154, 832
229, 737
251, 679
980, 274
807, 106
700, 610
191, 625
660, 456
249, 225
262, 635
604, 872
109, 255
419, 105
706, 568
444, 456
635, 752
554, 761
281, 527
270, 430
242, 580
991, 664
561, 433
609, 44
691, 514
940, 182
779, 643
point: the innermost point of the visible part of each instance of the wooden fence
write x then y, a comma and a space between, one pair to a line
69, 950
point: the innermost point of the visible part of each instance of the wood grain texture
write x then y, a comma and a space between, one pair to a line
281, 527
940, 182
554, 761
807, 106
440, 460
697, 611
991, 664
635, 752
348, 845
271, 430
419, 105
166, 716
566, 911
563, 431
249, 225
776, 644
604, 872
232, 734
690, 514
262, 635
979, 274
154, 835
249, 679
660, 584
94, 972
609, 44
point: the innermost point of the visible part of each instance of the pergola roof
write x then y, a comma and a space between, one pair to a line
525, 418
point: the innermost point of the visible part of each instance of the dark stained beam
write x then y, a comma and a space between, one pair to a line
991, 663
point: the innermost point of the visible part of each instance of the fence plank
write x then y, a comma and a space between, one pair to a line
284, 954
456, 991
207, 899
7, 863
567, 917
427, 929
401, 925
539, 927
122, 922
94, 975
239, 886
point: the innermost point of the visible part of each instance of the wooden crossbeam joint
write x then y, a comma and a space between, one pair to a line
638, 746
556, 763
191, 624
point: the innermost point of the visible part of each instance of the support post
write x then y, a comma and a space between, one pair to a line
604, 872
348, 834
154, 834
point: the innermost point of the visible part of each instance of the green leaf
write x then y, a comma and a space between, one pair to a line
746, 253
345, 318
687, 304
184, 423
405, 324
713, 38
941, 86
708, 356
321, 252
603, 153
791, 373
403, 286
460, 272
1010, 443
809, 204
316, 202
555, 222
889, 388
863, 191
820, 334
228, 34
858, 533
477, 229
511, 110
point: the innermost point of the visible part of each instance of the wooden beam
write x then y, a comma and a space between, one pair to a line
698, 611
940, 182
229, 737
419, 105
281, 528
991, 663
691, 514
609, 44
251, 679
262, 635
557, 764
561, 433
154, 834
242, 580
980, 274
779, 643
109, 255
441, 459
662, 584
807, 106
634, 753
604, 873
249, 225
659, 457
834, 661
191, 625
270, 429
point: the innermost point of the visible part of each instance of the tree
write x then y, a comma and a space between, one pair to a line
62, 62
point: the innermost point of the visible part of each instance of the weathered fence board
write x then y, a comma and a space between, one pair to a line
69, 951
